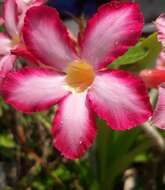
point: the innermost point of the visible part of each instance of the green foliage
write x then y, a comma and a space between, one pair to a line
133, 55
116, 151
6, 141
141, 56
154, 47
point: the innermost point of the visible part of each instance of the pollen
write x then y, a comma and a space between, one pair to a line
80, 75
15, 40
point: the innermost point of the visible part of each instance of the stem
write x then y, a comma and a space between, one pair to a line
156, 137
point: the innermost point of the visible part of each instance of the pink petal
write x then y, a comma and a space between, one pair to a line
5, 44
73, 126
160, 62
23, 5
10, 16
160, 25
33, 89
115, 28
159, 113
120, 99
1, 21
47, 38
6, 64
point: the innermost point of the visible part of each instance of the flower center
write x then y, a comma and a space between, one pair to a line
80, 75
15, 40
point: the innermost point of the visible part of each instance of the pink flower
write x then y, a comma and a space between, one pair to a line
159, 113
76, 77
154, 77
160, 26
14, 13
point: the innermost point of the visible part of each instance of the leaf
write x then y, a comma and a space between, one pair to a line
134, 54
6, 141
62, 173
116, 150
153, 47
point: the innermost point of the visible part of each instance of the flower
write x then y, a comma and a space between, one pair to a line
159, 112
154, 77
14, 13
76, 77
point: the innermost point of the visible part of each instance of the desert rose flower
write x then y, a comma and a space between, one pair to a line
77, 78
13, 20
160, 26
154, 77
159, 113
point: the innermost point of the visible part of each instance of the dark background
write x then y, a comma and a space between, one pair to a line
150, 8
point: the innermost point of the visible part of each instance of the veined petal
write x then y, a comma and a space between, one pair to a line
33, 89
160, 62
5, 44
120, 98
109, 34
10, 16
23, 5
1, 21
159, 112
6, 64
73, 135
160, 25
47, 38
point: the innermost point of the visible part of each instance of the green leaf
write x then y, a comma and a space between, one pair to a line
6, 141
153, 47
62, 173
38, 185
133, 55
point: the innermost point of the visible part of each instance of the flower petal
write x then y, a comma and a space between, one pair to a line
33, 89
159, 112
1, 21
120, 98
23, 5
160, 62
6, 64
73, 135
5, 44
47, 38
160, 25
10, 16
109, 34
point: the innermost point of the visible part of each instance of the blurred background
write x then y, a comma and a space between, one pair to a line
129, 160
151, 8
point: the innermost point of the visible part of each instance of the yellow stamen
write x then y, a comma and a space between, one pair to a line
80, 75
15, 40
